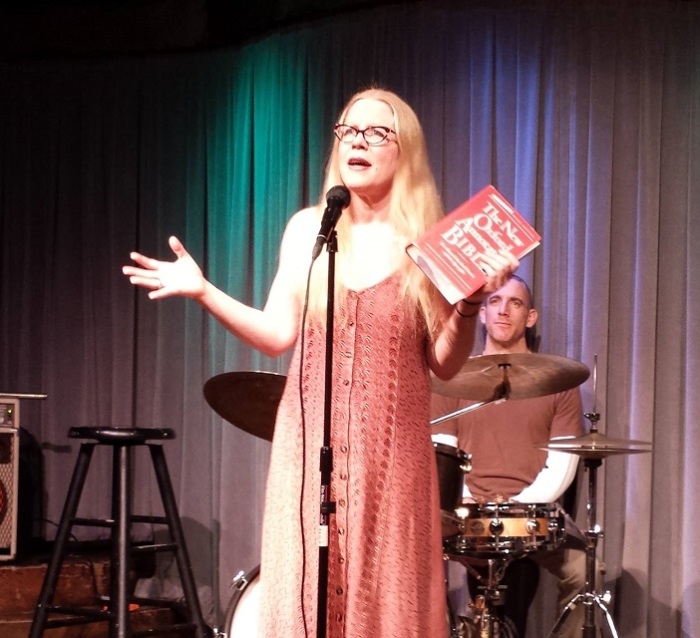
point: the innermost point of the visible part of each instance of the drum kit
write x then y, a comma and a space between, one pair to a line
485, 537
497, 533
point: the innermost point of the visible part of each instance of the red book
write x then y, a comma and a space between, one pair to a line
451, 252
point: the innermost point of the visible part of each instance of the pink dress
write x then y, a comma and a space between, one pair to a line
386, 575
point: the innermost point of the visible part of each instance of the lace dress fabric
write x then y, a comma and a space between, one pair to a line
385, 574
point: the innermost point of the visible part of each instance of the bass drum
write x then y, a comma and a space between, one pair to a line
244, 608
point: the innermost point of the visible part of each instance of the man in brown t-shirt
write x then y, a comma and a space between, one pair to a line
504, 438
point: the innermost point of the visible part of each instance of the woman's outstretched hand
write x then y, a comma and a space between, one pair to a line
167, 278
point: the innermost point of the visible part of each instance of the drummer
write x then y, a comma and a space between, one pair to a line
503, 439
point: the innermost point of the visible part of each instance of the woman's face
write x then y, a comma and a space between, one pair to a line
368, 169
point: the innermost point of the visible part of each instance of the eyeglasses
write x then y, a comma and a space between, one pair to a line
373, 135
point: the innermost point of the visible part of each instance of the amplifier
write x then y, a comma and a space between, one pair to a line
9, 476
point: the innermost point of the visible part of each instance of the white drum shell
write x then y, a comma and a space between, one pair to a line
242, 614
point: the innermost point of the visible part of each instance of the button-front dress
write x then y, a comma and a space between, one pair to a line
386, 573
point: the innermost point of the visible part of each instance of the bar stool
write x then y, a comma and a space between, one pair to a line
116, 606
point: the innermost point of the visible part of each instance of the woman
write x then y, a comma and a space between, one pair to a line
385, 575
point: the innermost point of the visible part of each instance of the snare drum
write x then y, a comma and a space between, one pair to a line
495, 529
244, 608
452, 464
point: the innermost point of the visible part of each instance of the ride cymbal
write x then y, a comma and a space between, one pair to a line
595, 445
248, 400
519, 375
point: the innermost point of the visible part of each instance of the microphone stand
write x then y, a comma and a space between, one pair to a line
326, 461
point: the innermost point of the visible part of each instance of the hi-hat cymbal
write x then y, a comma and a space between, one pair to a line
519, 375
247, 400
595, 445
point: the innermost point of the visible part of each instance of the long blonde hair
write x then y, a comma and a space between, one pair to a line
414, 207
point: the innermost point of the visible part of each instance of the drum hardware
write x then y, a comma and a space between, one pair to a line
241, 620
492, 535
493, 530
452, 465
248, 400
461, 411
593, 448
487, 619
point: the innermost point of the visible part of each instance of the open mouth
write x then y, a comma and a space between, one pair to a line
358, 161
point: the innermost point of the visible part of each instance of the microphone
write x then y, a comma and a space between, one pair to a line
337, 198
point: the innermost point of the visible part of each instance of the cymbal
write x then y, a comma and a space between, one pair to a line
518, 375
248, 400
595, 445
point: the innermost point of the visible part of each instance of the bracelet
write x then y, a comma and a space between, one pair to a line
466, 316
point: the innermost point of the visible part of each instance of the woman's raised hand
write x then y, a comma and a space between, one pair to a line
498, 268
167, 278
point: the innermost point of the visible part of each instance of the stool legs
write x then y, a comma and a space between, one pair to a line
176, 533
123, 442
64, 527
119, 626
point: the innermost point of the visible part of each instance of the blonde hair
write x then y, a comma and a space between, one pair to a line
415, 206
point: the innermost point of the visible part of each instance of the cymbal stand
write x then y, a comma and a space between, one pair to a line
501, 393
461, 411
589, 597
